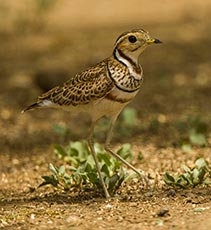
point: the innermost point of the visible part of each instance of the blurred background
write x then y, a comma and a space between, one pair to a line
44, 42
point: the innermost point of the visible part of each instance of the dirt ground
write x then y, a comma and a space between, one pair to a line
37, 53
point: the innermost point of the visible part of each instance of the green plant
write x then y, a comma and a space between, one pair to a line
199, 174
194, 132
80, 172
62, 132
128, 122
129, 117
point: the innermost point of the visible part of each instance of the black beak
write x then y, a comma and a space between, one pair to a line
157, 41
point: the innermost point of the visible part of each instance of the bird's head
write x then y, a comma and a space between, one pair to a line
134, 42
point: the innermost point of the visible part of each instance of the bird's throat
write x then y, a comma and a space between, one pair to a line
132, 64
126, 60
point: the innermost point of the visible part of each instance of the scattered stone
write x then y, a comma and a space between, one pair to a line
148, 194
171, 192
73, 219
162, 212
31, 189
32, 216
133, 204
108, 206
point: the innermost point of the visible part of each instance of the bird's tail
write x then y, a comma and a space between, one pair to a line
31, 107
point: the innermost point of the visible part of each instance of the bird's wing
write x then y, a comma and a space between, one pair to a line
87, 86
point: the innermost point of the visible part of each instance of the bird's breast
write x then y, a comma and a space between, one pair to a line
112, 103
125, 76
119, 96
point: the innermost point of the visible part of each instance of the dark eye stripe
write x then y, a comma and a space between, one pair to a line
132, 39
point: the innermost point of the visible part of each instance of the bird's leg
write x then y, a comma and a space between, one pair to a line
92, 149
108, 149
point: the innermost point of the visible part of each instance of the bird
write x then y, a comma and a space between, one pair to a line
103, 89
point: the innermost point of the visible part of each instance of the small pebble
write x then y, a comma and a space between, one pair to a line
108, 206
162, 212
32, 216
171, 192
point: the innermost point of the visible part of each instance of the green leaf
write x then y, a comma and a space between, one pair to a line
72, 160
52, 180
61, 170
202, 173
88, 168
79, 146
198, 175
169, 179
154, 125
129, 117
199, 125
201, 163
188, 177
104, 157
113, 181
186, 147
181, 181
140, 156
53, 169
197, 138
186, 168
125, 151
118, 182
72, 168
59, 150
105, 169
93, 177
99, 148
90, 160
63, 131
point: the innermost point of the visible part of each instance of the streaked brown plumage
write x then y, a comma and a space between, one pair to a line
104, 89
85, 87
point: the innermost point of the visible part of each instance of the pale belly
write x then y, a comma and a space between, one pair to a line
108, 106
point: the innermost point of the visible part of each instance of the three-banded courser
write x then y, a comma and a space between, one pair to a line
104, 89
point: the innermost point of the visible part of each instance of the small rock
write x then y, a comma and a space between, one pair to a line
162, 212
148, 194
73, 219
32, 216
108, 206
133, 204
171, 192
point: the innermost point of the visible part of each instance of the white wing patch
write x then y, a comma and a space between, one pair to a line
47, 103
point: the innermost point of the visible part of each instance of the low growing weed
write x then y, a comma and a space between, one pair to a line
194, 131
199, 174
80, 172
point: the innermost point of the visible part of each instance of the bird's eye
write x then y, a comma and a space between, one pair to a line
132, 39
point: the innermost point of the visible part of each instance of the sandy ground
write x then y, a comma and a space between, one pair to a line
41, 48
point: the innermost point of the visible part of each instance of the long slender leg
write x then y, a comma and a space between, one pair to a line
92, 149
107, 148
